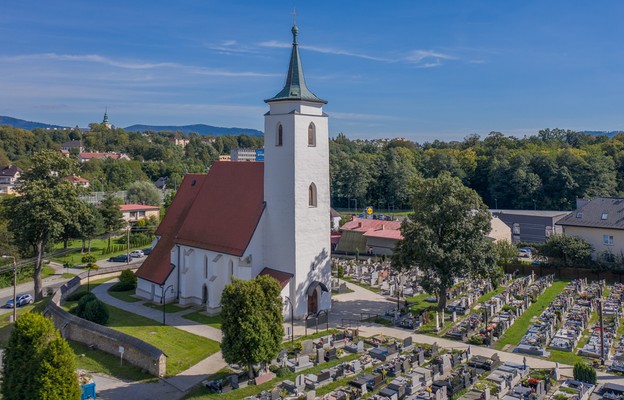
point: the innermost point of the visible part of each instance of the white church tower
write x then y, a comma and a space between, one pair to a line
296, 190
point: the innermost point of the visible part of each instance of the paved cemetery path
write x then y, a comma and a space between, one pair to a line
351, 305
168, 388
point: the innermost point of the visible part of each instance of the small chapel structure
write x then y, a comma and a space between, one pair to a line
244, 219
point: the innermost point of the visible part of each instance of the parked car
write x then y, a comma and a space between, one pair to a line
120, 258
21, 300
525, 252
137, 254
147, 251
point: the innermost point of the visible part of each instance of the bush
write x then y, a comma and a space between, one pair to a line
121, 287
128, 278
584, 373
476, 340
82, 303
95, 311
76, 296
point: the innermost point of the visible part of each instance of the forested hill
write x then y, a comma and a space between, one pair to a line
548, 171
22, 124
198, 128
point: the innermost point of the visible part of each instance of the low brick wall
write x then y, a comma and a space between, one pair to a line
136, 351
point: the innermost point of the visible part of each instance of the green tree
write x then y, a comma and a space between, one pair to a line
91, 225
44, 207
38, 362
252, 321
506, 251
143, 192
446, 236
111, 215
569, 251
584, 373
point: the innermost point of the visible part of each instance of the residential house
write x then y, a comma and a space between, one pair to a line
135, 212
72, 144
600, 222
179, 141
9, 177
77, 180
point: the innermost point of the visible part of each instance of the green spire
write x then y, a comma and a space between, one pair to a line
295, 87
105, 116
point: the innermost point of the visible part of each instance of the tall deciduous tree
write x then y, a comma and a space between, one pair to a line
252, 321
111, 215
446, 236
143, 192
38, 362
46, 204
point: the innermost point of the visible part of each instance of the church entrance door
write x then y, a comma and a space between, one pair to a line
313, 302
205, 294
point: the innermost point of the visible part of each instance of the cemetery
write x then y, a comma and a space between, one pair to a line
382, 367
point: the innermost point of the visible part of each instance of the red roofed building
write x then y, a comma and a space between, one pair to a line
135, 212
77, 180
370, 236
244, 219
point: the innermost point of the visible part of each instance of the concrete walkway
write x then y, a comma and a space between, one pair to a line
185, 380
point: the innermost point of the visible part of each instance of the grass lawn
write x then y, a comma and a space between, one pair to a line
127, 296
169, 307
182, 348
202, 393
418, 303
202, 318
97, 245
98, 361
519, 328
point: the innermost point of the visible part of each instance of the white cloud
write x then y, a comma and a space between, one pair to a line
418, 56
130, 65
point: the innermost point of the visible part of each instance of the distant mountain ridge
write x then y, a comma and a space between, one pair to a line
201, 129
28, 125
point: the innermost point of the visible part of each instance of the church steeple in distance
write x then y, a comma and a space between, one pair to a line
105, 122
295, 87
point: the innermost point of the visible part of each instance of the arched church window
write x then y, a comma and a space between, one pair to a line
230, 271
280, 135
312, 195
205, 267
311, 134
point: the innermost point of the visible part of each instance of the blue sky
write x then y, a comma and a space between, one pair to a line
423, 70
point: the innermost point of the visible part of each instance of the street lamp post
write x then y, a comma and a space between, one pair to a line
14, 286
292, 320
162, 298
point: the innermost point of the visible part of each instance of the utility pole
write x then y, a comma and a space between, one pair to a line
128, 245
14, 286
602, 353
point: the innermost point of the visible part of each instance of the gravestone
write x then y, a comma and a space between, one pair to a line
434, 349
421, 357
308, 347
331, 354
357, 367
360, 346
320, 356
454, 316
311, 395
407, 365
392, 349
276, 394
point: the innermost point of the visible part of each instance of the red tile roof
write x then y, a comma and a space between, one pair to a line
384, 234
282, 277
157, 267
137, 207
227, 209
363, 225
218, 211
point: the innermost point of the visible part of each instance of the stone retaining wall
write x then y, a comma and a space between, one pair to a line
136, 351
